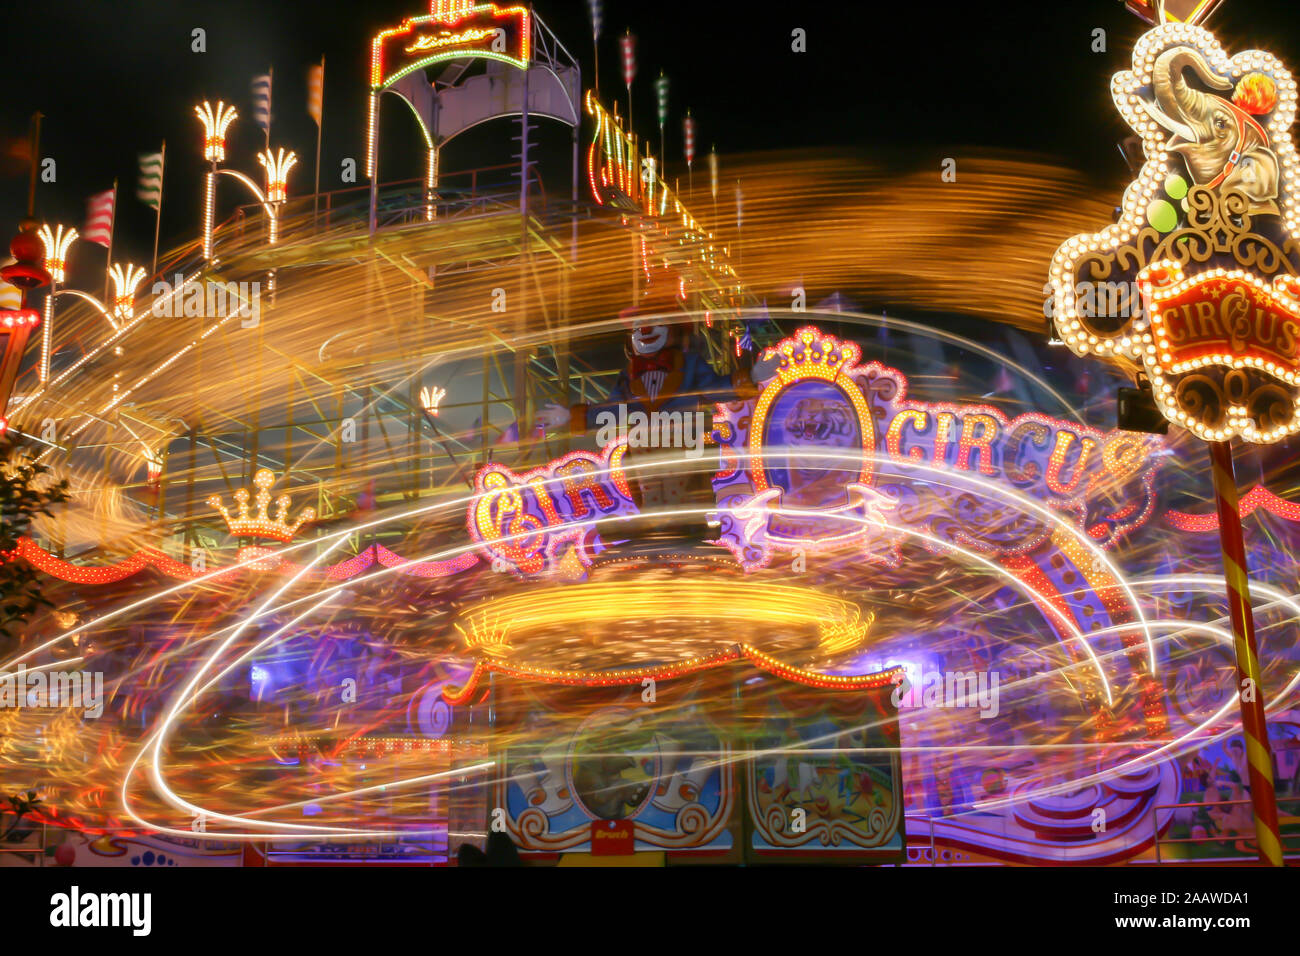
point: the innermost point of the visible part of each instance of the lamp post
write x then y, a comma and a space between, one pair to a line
56, 244
215, 123
125, 282
277, 166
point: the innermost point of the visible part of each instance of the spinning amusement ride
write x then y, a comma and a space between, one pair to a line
501, 501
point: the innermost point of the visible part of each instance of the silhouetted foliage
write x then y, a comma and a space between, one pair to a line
27, 490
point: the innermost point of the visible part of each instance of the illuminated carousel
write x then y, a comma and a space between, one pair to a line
690, 681
693, 581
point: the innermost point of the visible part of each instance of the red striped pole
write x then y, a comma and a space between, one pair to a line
1250, 688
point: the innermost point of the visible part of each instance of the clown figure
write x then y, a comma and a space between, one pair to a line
661, 405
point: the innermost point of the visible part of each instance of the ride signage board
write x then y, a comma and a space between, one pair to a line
1204, 247
452, 31
829, 453
833, 453
1224, 323
1206, 242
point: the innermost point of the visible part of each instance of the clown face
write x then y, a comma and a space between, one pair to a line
648, 339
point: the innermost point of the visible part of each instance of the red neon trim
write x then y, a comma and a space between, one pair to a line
763, 662
1257, 497
1242, 119
56, 567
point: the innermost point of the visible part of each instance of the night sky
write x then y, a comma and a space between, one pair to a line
907, 83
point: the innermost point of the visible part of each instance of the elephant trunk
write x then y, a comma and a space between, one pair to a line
1178, 100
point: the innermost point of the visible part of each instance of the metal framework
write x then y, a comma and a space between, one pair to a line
388, 290
460, 97
331, 413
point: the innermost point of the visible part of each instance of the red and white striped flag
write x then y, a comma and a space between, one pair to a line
316, 90
629, 58
688, 137
99, 218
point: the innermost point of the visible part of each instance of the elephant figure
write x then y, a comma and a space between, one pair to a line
1224, 146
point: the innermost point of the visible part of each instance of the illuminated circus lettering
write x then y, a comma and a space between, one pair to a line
534, 520
895, 478
819, 455
918, 421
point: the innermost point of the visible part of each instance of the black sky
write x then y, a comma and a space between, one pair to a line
910, 81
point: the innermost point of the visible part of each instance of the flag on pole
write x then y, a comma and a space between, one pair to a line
688, 136
661, 89
315, 90
149, 190
262, 102
594, 7
99, 218
15, 155
315, 103
510, 435
629, 58
713, 173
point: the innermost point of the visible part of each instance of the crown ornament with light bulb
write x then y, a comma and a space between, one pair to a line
809, 353
259, 524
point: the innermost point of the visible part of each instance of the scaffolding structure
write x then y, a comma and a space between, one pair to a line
347, 311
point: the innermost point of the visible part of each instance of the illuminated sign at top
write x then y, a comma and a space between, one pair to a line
448, 38
451, 31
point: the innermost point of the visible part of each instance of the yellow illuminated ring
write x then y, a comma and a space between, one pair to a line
560, 632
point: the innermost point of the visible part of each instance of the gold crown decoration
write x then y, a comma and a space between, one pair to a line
260, 524
811, 354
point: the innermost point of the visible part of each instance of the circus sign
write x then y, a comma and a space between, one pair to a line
831, 454
1241, 335
546, 518
1205, 241
453, 29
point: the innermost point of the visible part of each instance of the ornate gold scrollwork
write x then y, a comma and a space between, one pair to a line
1219, 226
